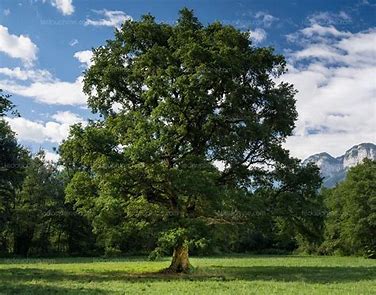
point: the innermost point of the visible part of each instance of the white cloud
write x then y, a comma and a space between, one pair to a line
28, 130
27, 74
112, 18
84, 57
51, 157
316, 29
73, 42
67, 117
117, 107
329, 18
39, 132
6, 12
51, 92
220, 165
43, 87
265, 18
17, 46
257, 35
64, 6
366, 3
335, 74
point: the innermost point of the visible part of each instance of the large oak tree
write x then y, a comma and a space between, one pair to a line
192, 117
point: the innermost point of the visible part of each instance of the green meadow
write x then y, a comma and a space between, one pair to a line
212, 275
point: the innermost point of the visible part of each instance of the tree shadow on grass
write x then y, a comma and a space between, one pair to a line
75, 260
23, 288
221, 273
312, 274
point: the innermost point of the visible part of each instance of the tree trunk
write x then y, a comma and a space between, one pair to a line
180, 260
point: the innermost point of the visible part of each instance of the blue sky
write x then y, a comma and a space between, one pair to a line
330, 47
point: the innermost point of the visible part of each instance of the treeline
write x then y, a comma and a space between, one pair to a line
36, 219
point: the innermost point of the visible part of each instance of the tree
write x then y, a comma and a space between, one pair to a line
350, 226
41, 223
12, 163
192, 114
38, 209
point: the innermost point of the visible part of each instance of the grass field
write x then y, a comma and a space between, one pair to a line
224, 275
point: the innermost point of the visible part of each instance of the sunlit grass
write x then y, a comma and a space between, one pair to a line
224, 275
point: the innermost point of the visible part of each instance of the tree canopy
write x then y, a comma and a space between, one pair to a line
351, 223
12, 164
193, 122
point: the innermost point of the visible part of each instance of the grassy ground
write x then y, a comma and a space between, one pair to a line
225, 275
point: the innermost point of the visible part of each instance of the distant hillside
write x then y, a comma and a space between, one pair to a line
334, 170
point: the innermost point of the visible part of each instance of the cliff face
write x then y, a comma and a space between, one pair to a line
334, 169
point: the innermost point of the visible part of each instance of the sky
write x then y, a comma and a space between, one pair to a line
330, 48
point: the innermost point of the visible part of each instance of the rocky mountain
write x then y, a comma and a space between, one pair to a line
334, 169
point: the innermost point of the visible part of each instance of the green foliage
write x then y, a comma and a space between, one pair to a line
36, 209
5, 104
39, 222
12, 162
351, 222
285, 211
13, 159
176, 100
